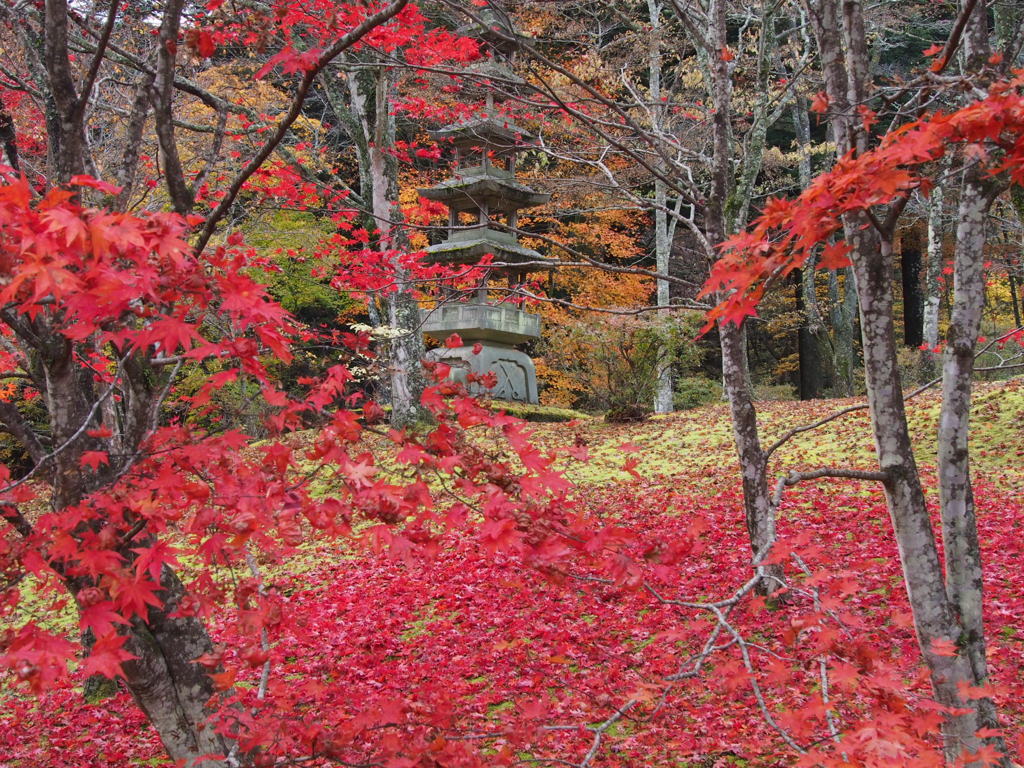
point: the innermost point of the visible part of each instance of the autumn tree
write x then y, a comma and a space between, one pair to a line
102, 311
946, 601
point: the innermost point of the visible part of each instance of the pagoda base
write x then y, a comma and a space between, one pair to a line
517, 377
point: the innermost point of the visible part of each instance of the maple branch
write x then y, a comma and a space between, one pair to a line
813, 425
823, 680
344, 42
755, 687
600, 730
955, 36
815, 474
19, 428
97, 58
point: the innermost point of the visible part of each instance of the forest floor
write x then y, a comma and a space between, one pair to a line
478, 634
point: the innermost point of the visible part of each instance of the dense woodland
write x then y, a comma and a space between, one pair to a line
768, 511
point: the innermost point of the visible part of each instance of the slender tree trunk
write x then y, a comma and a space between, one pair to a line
959, 522
726, 208
814, 339
962, 550
662, 251
810, 373
913, 305
760, 518
1012, 279
663, 401
842, 310
932, 289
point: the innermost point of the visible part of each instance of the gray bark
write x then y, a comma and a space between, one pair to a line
725, 208
370, 93
663, 402
959, 523
168, 685
172, 691
760, 518
932, 297
935, 614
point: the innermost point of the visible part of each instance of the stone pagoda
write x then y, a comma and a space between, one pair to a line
483, 199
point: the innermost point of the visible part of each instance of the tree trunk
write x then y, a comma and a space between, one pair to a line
1012, 279
169, 686
663, 400
934, 621
372, 127
843, 309
726, 208
407, 348
814, 338
171, 689
760, 518
842, 44
932, 290
913, 301
959, 523
810, 373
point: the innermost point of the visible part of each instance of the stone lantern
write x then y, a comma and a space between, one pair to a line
483, 199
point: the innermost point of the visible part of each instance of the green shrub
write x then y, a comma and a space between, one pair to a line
774, 392
615, 359
695, 391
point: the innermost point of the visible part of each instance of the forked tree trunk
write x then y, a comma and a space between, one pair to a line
934, 620
839, 29
164, 679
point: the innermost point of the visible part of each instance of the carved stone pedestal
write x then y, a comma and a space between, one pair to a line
515, 372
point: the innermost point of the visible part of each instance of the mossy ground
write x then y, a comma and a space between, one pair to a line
701, 439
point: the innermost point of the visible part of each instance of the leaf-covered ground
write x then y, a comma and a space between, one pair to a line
499, 658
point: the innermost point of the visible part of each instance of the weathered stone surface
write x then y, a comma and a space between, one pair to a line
517, 377
500, 323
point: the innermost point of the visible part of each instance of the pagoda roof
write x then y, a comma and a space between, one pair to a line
500, 192
466, 247
489, 130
